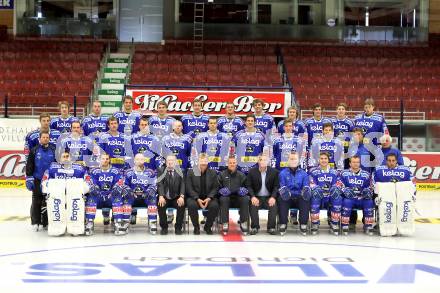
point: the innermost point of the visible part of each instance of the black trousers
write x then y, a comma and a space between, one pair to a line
171, 203
242, 202
193, 210
38, 206
255, 219
297, 202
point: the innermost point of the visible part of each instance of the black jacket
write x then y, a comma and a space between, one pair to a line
193, 184
272, 183
163, 185
233, 181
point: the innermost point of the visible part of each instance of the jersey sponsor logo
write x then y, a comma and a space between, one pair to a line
230, 127
125, 121
140, 180
105, 178
364, 123
173, 143
196, 123
114, 142
249, 140
288, 146
325, 178
355, 181
143, 141
327, 147
72, 144
157, 125
63, 124
316, 127
212, 140
262, 123
393, 173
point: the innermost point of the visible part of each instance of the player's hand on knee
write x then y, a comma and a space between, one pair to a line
161, 201
255, 201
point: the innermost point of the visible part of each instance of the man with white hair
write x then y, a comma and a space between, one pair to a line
386, 141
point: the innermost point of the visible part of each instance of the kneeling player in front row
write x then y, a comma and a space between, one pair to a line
396, 198
106, 192
358, 194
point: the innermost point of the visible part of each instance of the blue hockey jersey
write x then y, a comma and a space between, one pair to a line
374, 123
215, 146
105, 180
283, 146
161, 127
128, 123
193, 125
230, 125
180, 146
94, 125
62, 124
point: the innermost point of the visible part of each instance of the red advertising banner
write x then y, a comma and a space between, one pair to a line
426, 169
179, 101
12, 169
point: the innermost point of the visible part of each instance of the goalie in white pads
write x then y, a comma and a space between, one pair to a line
65, 185
396, 198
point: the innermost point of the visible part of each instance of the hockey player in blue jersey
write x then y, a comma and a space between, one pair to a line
161, 124
196, 122
141, 182
314, 124
249, 144
343, 126
286, 144
143, 142
79, 146
179, 145
392, 171
386, 149
94, 124
372, 124
63, 123
299, 128
325, 193
106, 192
214, 144
263, 122
64, 168
327, 143
358, 194
128, 120
115, 144
32, 138
230, 123
371, 155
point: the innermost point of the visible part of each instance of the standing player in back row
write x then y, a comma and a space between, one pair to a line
94, 124
32, 138
128, 120
263, 122
196, 122
230, 123
314, 124
372, 124
299, 128
161, 124
342, 128
63, 123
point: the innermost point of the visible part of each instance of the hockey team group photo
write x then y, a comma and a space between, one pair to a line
190, 171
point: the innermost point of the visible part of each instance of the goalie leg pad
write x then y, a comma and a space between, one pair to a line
75, 206
387, 208
405, 208
56, 210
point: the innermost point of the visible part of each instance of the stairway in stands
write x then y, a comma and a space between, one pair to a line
114, 75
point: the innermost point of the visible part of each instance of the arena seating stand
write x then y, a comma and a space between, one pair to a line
221, 64
332, 74
41, 72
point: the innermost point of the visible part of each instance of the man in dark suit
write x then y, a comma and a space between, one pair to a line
263, 183
201, 190
171, 190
